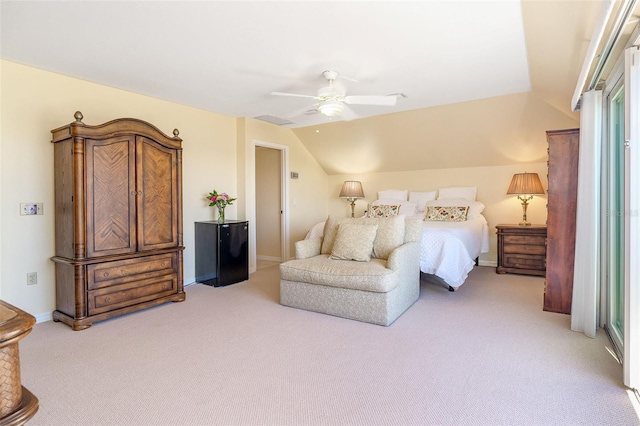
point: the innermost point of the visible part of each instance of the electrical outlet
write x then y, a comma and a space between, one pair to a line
27, 209
32, 278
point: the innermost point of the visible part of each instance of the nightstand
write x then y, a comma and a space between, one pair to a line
522, 249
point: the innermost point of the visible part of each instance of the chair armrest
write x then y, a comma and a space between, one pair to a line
308, 248
406, 256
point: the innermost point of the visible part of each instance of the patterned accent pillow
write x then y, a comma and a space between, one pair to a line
447, 214
383, 210
354, 242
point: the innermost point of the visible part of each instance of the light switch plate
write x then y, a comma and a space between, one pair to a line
27, 209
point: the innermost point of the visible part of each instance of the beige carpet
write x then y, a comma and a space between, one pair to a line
484, 355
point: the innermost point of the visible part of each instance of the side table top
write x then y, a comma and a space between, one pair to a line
13, 322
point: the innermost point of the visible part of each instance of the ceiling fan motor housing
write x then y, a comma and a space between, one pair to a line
330, 92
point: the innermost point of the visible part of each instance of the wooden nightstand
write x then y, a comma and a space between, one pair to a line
522, 249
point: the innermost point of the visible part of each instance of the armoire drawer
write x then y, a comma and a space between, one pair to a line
121, 271
131, 293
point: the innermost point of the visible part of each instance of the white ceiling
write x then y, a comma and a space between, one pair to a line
228, 56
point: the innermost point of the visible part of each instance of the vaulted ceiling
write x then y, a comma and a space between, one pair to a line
228, 56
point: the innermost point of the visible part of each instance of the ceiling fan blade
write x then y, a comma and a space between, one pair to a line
348, 114
307, 110
371, 100
293, 94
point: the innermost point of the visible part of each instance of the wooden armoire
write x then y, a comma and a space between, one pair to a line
118, 219
561, 219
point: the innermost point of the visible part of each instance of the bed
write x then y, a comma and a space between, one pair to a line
449, 246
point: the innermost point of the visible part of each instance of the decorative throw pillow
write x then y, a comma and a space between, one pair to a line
475, 207
383, 210
391, 231
407, 208
354, 242
447, 214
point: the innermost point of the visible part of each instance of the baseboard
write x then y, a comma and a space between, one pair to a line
491, 263
47, 316
268, 258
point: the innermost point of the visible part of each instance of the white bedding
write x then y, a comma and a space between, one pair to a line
447, 249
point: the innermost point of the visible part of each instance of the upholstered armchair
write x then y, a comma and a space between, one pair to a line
366, 269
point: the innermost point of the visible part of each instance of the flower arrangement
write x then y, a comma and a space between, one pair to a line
220, 201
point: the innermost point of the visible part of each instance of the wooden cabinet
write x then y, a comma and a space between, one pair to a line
522, 249
222, 252
561, 218
118, 207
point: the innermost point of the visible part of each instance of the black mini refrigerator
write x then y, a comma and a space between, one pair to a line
222, 252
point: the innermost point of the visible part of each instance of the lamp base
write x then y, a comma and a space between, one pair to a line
524, 223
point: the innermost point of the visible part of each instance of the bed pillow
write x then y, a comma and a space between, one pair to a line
475, 207
384, 210
354, 242
466, 192
421, 198
447, 214
393, 194
406, 208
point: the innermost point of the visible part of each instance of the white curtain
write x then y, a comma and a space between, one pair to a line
631, 362
584, 305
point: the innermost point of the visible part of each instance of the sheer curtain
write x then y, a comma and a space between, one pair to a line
584, 305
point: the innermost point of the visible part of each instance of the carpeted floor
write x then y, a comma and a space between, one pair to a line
486, 354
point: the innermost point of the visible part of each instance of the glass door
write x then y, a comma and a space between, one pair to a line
614, 187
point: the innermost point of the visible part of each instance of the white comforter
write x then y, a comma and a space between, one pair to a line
447, 249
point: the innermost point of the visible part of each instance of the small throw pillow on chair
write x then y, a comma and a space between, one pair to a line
354, 242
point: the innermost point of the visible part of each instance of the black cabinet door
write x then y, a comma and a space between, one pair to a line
233, 253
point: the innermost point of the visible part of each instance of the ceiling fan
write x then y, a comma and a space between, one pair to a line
332, 99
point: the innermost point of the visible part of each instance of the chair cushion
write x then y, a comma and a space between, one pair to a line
366, 276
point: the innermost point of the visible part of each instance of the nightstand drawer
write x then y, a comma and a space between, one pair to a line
525, 249
525, 239
524, 262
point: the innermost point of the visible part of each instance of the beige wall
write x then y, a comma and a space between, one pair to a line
307, 200
35, 101
218, 154
492, 183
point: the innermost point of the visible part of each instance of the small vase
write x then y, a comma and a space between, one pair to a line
220, 214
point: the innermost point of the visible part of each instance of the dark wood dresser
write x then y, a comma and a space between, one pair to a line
522, 249
561, 219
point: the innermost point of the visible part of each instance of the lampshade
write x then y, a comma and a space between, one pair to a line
331, 108
525, 184
351, 189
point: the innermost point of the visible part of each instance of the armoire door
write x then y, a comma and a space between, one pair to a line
157, 193
110, 199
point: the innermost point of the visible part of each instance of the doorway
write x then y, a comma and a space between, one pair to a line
267, 205
268, 224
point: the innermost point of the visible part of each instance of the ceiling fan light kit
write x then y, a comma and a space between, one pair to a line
331, 108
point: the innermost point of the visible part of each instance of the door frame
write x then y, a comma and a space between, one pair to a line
284, 199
